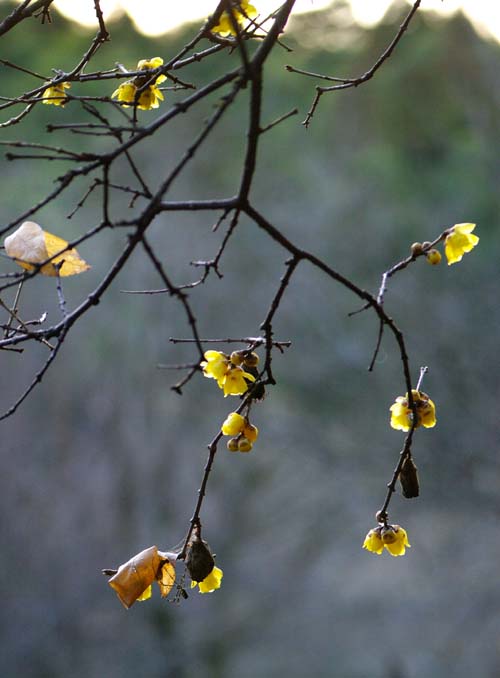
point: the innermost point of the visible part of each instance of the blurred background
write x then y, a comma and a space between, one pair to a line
104, 459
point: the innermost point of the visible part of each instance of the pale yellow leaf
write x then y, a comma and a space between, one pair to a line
30, 244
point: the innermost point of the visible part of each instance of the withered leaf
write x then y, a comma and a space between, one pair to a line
133, 579
30, 244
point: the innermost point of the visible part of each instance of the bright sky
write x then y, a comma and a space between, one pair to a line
154, 17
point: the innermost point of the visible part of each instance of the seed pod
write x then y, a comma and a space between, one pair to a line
408, 478
237, 357
251, 360
199, 560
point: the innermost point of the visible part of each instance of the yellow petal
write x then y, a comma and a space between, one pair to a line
373, 542
212, 582
146, 595
397, 547
166, 578
459, 240
155, 62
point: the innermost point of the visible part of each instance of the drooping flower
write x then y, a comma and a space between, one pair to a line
215, 366
55, 94
234, 381
151, 96
391, 537
242, 11
401, 414
373, 541
211, 583
231, 378
233, 424
459, 240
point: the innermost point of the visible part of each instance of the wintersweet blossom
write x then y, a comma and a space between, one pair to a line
402, 416
391, 537
233, 424
55, 94
151, 96
459, 240
211, 583
231, 378
242, 10
235, 381
215, 366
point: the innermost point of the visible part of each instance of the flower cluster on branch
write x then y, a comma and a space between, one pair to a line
234, 26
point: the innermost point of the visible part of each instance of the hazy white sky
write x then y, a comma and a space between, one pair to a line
154, 17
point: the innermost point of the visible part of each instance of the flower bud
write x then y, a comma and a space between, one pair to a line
244, 445
416, 249
251, 432
237, 357
232, 445
252, 360
426, 244
433, 257
233, 424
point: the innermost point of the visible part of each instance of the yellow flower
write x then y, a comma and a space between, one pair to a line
459, 240
391, 537
373, 541
401, 414
242, 11
215, 366
144, 64
234, 383
395, 539
233, 424
55, 94
211, 582
151, 96
125, 92
230, 378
